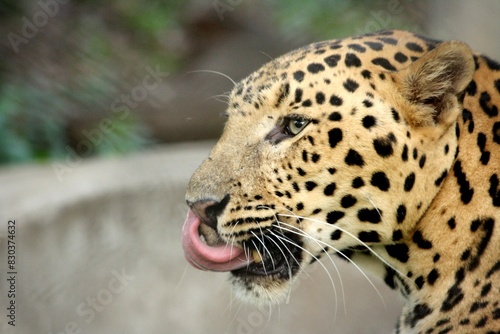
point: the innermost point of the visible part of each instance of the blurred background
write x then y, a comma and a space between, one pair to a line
106, 108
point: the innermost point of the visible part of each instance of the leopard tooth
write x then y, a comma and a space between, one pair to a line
257, 258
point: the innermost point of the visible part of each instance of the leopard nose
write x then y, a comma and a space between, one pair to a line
208, 210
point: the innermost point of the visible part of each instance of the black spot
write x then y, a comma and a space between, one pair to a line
366, 74
332, 60
419, 281
315, 67
335, 100
370, 215
474, 225
482, 322
384, 63
316, 211
320, 98
494, 269
334, 216
351, 60
388, 40
351, 85
404, 154
440, 179
310, 185
484, 101
418, 238
485, 289
380, 180
493, 190
300, 206
330, 189
451, 223
332, 171
432, 277
389, 278
398, 251
395, 115
409, 182
477, 306
353, 158
295, 187
436, 258
336, 235
369, 236
334, 137
415, 154
421, 162
487, 227
497, 85
400, 57
347, 201
375, 46
464, 322
492, 65
367, 103
307, 103
401, 213
357, 182
357, 47
481, 143
335, 116
369, 121
465, 190
298, 75
304, 155
471, 88
496, 314
397, 235
298, 95
383, 147
420, 311
467, 117
465, 255
454, 296
414, 47
496, 132
301, 171
315, 157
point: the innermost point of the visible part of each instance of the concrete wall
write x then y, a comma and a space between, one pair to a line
98, 251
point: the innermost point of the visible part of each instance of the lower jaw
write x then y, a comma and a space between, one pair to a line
261, 290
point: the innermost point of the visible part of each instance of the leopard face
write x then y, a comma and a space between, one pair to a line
340, 147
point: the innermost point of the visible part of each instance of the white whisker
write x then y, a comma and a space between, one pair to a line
326, 270
215, 72
358, 240
319, 242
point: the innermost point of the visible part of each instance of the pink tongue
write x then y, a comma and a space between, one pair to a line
216, 258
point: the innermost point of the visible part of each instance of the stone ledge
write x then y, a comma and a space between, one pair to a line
100, 252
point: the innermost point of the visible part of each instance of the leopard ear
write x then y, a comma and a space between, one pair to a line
434, 83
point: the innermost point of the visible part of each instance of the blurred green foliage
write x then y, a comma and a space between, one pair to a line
100, 46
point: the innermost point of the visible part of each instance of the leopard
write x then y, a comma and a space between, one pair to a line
382, 149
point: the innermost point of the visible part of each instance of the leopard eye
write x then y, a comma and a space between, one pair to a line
295, 125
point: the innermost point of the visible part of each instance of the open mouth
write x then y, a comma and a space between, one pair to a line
274, 254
